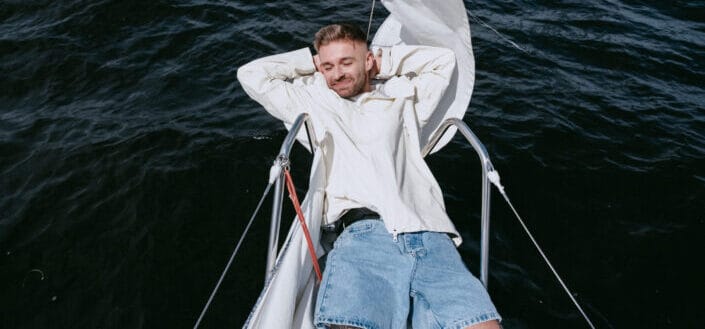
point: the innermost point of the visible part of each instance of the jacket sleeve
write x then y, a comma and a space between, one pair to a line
270, 82
429, 69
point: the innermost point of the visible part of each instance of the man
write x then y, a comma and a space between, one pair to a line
394, 262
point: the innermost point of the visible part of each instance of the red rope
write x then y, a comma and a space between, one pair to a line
302, 220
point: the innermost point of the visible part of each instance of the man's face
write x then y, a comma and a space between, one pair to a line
345, 65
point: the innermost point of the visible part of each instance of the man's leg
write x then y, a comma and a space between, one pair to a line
485, 325
444, 293
365, 282
494, 324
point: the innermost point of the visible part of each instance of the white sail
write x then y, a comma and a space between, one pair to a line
288, 297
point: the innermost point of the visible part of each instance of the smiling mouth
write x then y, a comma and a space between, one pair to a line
343, 85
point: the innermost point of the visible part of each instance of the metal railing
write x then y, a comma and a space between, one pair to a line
304, 119
486, 168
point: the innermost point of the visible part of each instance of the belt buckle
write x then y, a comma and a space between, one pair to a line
334, 227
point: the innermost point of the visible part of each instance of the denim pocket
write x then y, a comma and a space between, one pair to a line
358, 231
361, 227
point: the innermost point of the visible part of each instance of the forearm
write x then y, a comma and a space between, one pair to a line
429, 69
416, 61
267, 80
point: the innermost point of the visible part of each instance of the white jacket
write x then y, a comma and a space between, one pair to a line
370, 143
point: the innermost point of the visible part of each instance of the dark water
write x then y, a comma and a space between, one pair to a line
130, 158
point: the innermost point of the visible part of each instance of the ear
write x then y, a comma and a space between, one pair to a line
316, 62
369, 61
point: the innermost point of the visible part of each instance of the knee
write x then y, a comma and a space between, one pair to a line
494, 324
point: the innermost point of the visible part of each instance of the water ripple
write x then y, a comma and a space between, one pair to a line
127, 147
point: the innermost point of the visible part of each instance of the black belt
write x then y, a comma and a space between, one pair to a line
330, 232
356, 214
351, 216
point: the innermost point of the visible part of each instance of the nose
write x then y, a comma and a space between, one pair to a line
338, 73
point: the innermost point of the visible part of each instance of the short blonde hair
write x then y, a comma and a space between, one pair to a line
341, 31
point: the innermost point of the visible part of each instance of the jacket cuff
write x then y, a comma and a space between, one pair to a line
302, 61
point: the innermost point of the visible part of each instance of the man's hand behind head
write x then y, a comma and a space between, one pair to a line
377, 65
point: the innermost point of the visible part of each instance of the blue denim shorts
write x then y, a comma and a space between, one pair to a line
373, 281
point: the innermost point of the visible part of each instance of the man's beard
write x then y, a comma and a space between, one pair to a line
358, 87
